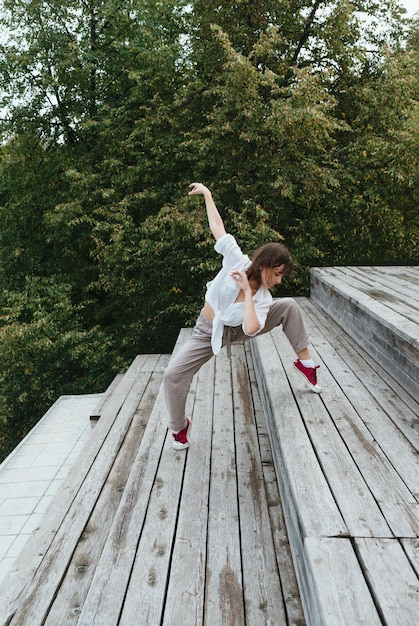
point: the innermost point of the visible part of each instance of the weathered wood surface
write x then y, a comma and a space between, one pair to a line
156, 536
391, 578
105, 399
341, 592
362, 432
70, 521
379, 308
278, 525
280, 485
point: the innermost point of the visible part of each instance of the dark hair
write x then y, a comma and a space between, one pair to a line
269, 256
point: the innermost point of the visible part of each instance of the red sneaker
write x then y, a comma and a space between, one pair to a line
309, 374
181, 439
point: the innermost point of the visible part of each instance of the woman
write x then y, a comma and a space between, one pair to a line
238, 305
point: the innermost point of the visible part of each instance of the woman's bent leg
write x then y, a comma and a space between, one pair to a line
286, 311
181, 369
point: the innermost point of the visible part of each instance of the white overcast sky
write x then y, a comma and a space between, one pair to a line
412, 6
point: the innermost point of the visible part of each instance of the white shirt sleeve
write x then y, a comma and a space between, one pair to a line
229, 248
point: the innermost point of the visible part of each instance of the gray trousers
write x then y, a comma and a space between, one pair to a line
197, 351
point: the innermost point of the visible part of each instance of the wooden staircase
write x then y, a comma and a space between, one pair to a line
280, 486
346, 460
379, 308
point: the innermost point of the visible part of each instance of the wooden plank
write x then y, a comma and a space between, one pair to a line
307, 482
359, 509
397, 404
397, 322
290, 591
151, 557
410, 273
391, 288
29, 586
262, 590
170, 546
398, 450
300, 480
411, 547
401, 302
342, 594
105, 599
392, 580
184, 601
395, 500
393, 280
367, 319
282, 551
385, 341
113, 556
99, 408
224, 601
343, 383
397, 352
406, 275
74, 588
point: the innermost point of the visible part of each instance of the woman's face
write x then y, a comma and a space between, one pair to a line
270, 277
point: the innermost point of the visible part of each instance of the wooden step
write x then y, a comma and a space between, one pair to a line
144, 534
379, 308
104, 400
71, 536
348, 471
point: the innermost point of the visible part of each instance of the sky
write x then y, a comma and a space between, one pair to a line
412, 6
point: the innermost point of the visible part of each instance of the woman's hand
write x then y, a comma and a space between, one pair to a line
240, 278
251, 323
198, 189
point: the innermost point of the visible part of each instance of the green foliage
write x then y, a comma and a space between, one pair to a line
302, 118
30, 182
44, 349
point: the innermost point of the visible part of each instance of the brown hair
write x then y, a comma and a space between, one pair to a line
269, 256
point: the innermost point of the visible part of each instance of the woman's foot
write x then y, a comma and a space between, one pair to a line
181, 438
309, 374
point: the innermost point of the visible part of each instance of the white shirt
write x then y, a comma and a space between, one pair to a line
223, 291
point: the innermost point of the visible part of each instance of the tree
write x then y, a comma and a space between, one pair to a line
44, 350
299, 115
79, 83
96, 79
285, 124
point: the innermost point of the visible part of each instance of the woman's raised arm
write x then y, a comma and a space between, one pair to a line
215, 221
